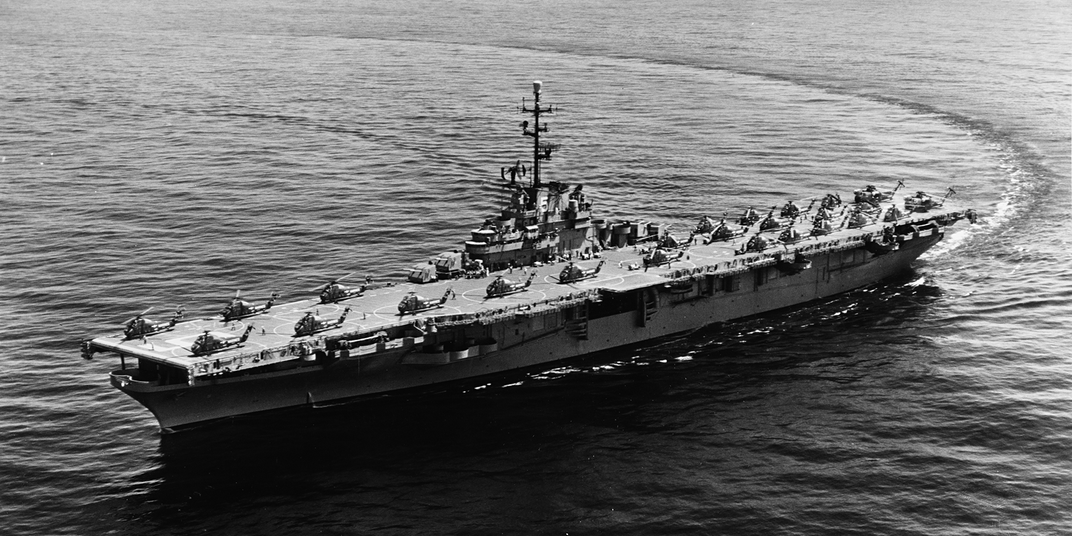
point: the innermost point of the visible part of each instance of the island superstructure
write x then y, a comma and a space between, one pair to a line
541, 282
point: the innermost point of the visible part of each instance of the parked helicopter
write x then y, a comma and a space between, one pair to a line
789, 236
769, 222
749, 217
239, 308
660, 257
670, 241
823, 214
722, 232
573, 273
415, 304
213, 341
310, 323
790, 210
503, 287
140, 327
821, 226
705, 225
873, 196
857, 219
333, 292
756, 243
922, 201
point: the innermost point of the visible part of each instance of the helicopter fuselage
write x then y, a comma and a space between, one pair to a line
141, 327
238, 309
416, 304
311, 323
572, 273
504, 287
659, 258
722, 232
213, 341
335, 293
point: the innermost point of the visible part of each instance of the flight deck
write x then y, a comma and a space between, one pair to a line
273, 337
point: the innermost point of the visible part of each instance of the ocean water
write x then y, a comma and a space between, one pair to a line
161, 155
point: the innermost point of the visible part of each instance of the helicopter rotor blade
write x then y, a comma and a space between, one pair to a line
332, 282
276, 294
127, 321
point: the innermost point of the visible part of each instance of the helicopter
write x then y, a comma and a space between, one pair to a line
789, 236
857, 219
415, 304
872, 195
790, 210
671, 242
757, 243
214, 341
706, 225
659, 257
922, 201
239, 308
769, 222
722, 232
572, 272
333, 292
311, 323
502, 286
821, 226
749, 217
830, 201
140, 327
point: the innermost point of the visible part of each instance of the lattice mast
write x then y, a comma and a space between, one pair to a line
539, 152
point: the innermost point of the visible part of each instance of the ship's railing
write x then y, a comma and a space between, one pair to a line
209, 366
752, 261
493, 316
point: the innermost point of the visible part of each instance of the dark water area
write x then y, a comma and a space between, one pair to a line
167, 155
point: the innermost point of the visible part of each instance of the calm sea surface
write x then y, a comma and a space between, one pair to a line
169, 153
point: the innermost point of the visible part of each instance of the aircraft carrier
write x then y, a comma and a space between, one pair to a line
541, 282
